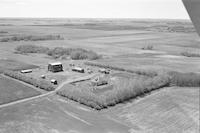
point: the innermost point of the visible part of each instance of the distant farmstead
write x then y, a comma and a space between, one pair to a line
55, 67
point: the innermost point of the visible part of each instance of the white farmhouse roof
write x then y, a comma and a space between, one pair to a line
55, 63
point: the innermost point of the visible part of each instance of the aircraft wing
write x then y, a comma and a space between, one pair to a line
193, 8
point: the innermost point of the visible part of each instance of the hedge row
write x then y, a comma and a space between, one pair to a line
32, 38
40, 83
23, 49
59, 52
127, 89
137, 71
123, 91
184, 79
73, 53
190, 54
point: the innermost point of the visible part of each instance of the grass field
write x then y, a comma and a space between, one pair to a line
12, 90
7, 64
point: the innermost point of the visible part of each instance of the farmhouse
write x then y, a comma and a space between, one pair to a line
98, 81
55, 67
78, 69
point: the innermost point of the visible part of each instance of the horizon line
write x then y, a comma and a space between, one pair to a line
93, 18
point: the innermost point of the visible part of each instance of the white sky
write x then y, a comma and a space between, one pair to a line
171, 9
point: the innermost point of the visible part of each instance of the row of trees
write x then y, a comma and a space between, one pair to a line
59, 52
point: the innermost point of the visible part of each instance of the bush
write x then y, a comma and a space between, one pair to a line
73, 53
137, 71
59, 52
126, 89
32, 38
123, 91
185, 79
3, 32
40, 83
31, 49
190, 54
148, 47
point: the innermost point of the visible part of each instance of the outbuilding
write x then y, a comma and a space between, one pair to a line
55, 82
26, 71
55, 67
78, 69
104, 71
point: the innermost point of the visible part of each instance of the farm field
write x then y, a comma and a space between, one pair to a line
150, 45
166, 111
7, 64
169, 110
12, 90
54, 114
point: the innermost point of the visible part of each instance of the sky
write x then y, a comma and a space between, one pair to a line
153, 9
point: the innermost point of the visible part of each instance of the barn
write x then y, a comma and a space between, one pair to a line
55, 67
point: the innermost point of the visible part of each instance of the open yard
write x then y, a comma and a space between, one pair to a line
12, 90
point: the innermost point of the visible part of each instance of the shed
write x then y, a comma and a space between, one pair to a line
104, 71
26, 71
55, 82
55, 67
78, 69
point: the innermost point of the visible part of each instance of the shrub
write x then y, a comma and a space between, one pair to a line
185, 79
3, 32
126, 89
31, 49
149, 73
31, 38
40, 83
132, 88
123, 91
148, 47
190, 54
73, 53
59, 52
